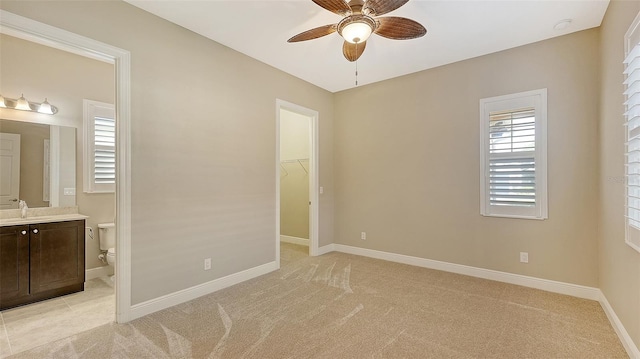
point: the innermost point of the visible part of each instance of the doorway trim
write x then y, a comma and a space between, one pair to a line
34, 31
313, 175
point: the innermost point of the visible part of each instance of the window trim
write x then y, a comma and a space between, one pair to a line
90, 110
538, 100
631, 232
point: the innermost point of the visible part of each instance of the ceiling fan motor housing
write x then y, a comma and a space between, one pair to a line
358, 24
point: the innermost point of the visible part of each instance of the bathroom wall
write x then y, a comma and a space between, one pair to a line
203, 143
619, 264
32, 136
65, 79
67, 159
294, 174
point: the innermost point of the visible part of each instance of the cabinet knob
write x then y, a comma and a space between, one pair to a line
35, 231
23, 232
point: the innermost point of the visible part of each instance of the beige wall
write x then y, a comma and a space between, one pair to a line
407, 163
294, 200
68, 163
294, 175
65, 79
619, 264
203, 145
32, 136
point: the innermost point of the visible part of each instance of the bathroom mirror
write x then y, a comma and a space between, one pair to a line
37, 164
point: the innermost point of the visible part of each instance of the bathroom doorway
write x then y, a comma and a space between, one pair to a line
31, 30
297, 177
53, 177
27, 29
53, 172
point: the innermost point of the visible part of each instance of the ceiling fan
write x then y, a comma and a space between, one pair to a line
359, 22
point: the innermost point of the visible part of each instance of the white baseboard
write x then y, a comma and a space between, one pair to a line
295, 240
526, 281
625, 338
98, 272
169, 300
326, 249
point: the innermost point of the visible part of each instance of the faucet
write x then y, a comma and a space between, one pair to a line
23, 208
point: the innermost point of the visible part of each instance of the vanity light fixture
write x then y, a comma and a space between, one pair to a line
24, 105
46, 107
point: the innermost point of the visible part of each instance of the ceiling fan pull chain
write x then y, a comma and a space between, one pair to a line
356, 73
356, 65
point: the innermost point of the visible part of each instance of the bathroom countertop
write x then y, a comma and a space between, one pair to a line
41, 219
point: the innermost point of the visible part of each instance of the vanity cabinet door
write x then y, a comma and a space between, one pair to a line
14, 262
57, 255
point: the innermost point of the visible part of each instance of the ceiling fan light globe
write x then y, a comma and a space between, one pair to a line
356, 32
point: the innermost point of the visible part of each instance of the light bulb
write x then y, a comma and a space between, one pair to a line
356, 32
2, 104
22, 104
45, 107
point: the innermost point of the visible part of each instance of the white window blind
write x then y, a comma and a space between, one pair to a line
513, 155
632, 121
512, 170
100, 147
105, 150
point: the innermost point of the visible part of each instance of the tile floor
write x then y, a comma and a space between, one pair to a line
36, 324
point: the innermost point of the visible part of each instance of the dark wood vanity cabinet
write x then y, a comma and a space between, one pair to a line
14, 263
40, 261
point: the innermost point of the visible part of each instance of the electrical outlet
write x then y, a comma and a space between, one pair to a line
207, 263
524, 257
363, 235
321, 190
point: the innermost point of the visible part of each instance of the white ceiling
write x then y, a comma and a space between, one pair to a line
456, 30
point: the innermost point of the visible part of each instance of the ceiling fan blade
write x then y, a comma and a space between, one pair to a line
353, 51
381, 7
399, 28
314, 33
339, 7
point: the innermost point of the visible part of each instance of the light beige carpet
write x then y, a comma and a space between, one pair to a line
344, 306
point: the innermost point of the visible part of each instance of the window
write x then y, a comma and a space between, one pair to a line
513, 155
632, 120
99, 147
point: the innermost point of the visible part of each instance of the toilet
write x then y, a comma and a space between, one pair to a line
107, 236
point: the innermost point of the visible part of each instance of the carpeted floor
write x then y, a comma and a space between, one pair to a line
344, 306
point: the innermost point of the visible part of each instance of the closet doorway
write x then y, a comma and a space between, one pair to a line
297, 177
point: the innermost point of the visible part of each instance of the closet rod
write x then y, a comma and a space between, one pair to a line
294, 160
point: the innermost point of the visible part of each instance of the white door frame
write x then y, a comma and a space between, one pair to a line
31, 30
313, 174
